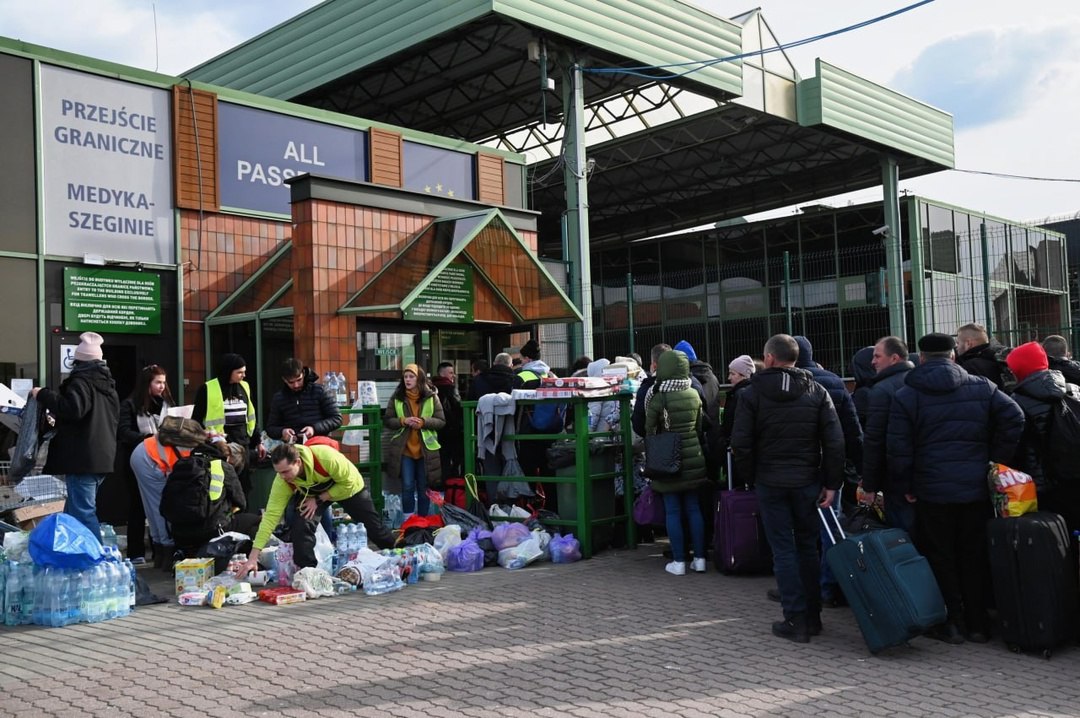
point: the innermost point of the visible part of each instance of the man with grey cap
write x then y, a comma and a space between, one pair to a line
945, 426
87, 411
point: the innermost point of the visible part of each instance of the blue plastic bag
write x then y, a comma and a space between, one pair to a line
466, 556
62, 541
508, 535
565, 549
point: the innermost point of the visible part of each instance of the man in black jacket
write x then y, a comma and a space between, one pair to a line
945, 426
87, 411
979, 355
451, 436
499, 379
303, 408
890, 361
788, 443
1057, 353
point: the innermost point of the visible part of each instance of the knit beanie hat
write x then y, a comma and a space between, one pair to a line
530, 350
742, 364
413, 368
89, 348
1027, 359
684, 347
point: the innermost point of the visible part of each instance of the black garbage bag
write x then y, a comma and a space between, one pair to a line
222, 549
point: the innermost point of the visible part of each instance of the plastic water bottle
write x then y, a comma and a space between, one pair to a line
130, 567
97, 596
108, 535
40, 610
360, 536
12, 596
69, 598
341, 389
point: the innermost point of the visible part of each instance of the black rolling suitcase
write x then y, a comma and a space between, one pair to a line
1034, 582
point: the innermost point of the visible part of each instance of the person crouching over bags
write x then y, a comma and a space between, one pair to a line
202, 496
311, 478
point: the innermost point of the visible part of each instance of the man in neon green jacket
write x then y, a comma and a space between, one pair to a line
311, 478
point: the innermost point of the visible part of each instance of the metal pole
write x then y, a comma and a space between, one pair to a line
983, 240
894, 257
575, 174
787, 291
630, 308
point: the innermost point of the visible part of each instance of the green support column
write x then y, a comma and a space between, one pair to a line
575, 175
894, 258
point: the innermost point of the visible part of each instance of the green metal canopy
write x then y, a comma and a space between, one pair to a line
433, 277
665, 153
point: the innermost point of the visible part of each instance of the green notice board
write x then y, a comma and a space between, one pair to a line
109, 300
448, 297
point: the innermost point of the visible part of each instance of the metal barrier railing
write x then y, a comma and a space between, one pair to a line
370, 468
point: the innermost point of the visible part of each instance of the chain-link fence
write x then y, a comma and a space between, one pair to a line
1013, 280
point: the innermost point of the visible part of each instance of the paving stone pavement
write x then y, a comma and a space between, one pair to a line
612, 636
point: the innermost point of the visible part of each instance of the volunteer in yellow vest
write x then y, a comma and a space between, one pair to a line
311, 478
411, 463
151, 461
224, 406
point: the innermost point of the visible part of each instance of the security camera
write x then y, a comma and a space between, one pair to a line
882, 231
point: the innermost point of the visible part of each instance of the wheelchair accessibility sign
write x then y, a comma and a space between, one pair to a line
67, 357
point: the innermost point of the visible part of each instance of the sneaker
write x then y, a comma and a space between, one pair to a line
793, 630
947, 632
676, 568
138, 561
698, 565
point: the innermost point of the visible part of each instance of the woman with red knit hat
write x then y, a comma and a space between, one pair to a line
1055, 469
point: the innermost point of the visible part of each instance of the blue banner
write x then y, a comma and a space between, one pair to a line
435, 170
259, 150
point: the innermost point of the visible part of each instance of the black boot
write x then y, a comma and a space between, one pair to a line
793, 629
159, 555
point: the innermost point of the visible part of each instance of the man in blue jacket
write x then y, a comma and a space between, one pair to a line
890, 361
945, 426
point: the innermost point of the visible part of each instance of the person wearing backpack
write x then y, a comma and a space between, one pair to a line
1049, 449
151, 463
538, 419
202, 498
415, 416
310, 478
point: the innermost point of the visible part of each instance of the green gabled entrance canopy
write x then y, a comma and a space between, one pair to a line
461, 269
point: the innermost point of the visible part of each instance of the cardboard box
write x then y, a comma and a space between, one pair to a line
28, 517
193, 573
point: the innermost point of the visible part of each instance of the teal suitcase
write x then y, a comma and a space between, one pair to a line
889, 585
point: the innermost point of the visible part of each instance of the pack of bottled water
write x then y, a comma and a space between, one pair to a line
48, 596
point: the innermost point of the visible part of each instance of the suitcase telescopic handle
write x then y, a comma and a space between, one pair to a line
828, 529
730, 483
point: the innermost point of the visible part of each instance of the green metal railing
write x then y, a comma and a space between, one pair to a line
371, 469
583, 480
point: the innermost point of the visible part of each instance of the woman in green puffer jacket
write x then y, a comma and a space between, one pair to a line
671, 405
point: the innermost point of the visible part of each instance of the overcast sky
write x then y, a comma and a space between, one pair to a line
1008, 72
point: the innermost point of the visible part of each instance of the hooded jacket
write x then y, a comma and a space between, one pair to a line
1036, 395
311, 406
880, 394
845, 406
945, 425
498, 379
87, 411
683, 409
787, 434
1068, 368
982, 361
451, 436
862, 368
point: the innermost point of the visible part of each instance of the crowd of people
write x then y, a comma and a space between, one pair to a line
920, 428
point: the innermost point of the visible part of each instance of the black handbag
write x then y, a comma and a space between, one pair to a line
663, 453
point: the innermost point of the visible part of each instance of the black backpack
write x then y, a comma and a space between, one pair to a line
185, 500
1008, 379
1061, 443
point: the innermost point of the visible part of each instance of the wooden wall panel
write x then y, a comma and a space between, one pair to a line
489, 179
387, 165
191, 160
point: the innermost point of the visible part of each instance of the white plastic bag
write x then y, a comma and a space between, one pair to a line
446, 538
315, 582
521, 555
355, 437
324, 551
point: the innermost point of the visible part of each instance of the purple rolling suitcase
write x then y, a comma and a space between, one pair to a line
739, 544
